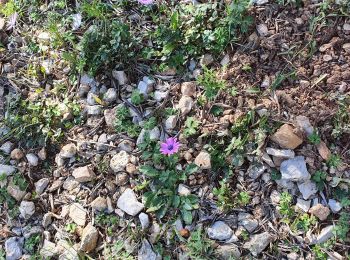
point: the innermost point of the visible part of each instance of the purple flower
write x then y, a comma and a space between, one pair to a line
145, 2
170, 146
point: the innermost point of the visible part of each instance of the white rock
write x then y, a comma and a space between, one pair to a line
262, 29
110, 96
120, 76
7, 169
280, 153
44, 36
188, 89
203, 160
67, 251
119, 161
94, 110
227, 252
32, 159
47, 219
78, 214
258, 243
256, 170
185, 104
170, 123
304, 123
129, 203
41, 185
260, 2
325, 234
334, 205
144, 89
27, 209
247, 221
295, 169
90, 99
160, 95
13, 248
183, 190
83, 174
7, 147
303, 205
206, 60
149, 81
15, 192
275, 197
89, 238
86, 80
99, 204
144, 220
220, 231
307, 189
68, 151
225, 60
146, 252
48, 250
102, 140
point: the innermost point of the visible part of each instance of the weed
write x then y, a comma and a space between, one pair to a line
285, 206
110, 222
303, 222
5, 197
150, 124
243, 198
275, 175
223, 195
319, 253
234, 91
137, 98
71, 227
245, 235
216, 110
314, 138
20, 181
191, 125
319, 177
118, 252
334, 161
95, 9
342, 118
211, 84
31, 244
2, 254
123, 123
343, 226
199, 247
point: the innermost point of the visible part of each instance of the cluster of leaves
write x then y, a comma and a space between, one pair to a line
31, 244
110, 222
211, 84
123, 123
40, 121
342, 118
162, 195
199, 246
285, 205
185, 30
319, 177
191, 126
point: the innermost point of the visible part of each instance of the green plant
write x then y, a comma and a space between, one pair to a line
2, 254
245, 235
285, 206
150, 123
199, 247
103, 45
243, 198
95, 9
211, 84
191, 125
303, 222
31, 244
216, 110
118, 252
314, 138
123, 123
107, 221
71, 227
342, 118
319, 177
20, 181
334, 161
136, 97
9, 8
223, 195
5, 197
319, 253
342, 227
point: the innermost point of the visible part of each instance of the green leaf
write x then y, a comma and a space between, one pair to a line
149, 171
176, 201
191, 169
187, 216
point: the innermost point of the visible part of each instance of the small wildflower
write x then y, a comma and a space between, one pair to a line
145, 2
170, 146
11, 23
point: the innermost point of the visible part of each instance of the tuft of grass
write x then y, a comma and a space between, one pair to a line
211, 84
199, 247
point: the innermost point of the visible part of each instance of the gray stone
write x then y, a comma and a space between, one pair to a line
110, 117
146, 252
48, 250
83, 174
78, 214
15, 191
183, 190
288, 154
256, 170
86, 80
89, 238
295, 169
260, 2
120, 76
307, 189
16, 154
110, 96
67, 251
188, 89
144, 220
70, 183
41, 185
258, 243
154, 134
325, 234
7, 169
47, 219
90, 99
119, 161
27, 209
262, 29
7, 147
160, 95
225, 60
220, 231
170, 123
13, 248
94, 110
129, 203
334, 205
33, 160
206, 60
203, 160
68, 151
304, 123
102, 141
126, 145
29, 231
247, 221
228, 252
303, 205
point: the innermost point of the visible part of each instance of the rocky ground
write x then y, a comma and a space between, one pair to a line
262, 171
